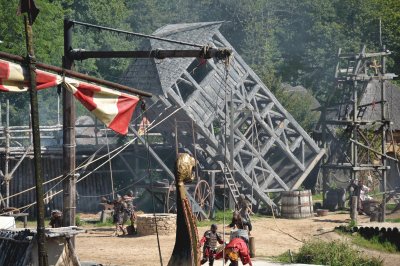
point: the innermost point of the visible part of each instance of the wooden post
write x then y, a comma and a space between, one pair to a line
69, 183
212, 181
354, 209
96, 131
41, 237
7, 177
252, 247
176, 139
383, 134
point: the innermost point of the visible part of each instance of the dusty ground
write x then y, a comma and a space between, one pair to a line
271, 236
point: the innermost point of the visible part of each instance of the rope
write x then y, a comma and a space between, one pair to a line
30, 205
109, 194
272, 209
146, 135
29, 189
280, 230
84, 164
120, 148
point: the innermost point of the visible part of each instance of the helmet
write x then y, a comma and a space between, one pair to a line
214, 227
130, 193
242, 197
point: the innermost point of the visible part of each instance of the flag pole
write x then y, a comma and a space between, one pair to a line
69, 149
41, 237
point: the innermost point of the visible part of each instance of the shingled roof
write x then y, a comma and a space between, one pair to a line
157, 76
373, 94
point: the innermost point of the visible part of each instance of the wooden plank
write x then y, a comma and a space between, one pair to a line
308, 170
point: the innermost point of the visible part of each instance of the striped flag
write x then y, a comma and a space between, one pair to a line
113, 108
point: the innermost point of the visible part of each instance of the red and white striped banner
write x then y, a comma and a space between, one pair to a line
113, 108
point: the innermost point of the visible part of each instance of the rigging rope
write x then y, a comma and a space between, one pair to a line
121, 148
146, 136
85, 163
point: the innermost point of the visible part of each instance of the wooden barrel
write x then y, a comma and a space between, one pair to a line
296, 204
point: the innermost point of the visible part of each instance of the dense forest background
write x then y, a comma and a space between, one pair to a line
290, 41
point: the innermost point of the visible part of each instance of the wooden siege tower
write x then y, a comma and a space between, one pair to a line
240, 127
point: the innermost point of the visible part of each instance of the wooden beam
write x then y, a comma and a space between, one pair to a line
309, 168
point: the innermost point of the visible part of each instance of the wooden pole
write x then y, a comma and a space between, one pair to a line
69, 182
7, 177
176, 139
159, 54
252, 247
354, 209
383, 133
41, 237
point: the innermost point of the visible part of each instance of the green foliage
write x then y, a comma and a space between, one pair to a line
220, 216
393, 220
352, 224
78, 221
317, 197
107, 13
329, 253
108, 223
374, 243
300, 106
48, 38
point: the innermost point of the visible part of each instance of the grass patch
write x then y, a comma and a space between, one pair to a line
334, 253
219, 218
378, 243
394, 220
374, 243
317, 197
107, 223
31, 223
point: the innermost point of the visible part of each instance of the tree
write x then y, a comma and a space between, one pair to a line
48, 39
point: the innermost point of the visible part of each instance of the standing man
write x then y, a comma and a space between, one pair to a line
130, 211
56, 219
119, 215
210, 239
244, 209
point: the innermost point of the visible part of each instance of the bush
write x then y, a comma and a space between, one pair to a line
330, 253
78, 221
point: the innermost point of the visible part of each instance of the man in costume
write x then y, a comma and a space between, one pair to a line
238, 222
56, 219
210, 240
237, 248
119, 215
244, 209
130, 212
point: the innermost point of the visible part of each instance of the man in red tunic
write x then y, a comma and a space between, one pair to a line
236, 249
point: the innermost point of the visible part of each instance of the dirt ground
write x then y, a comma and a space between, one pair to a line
272, 237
